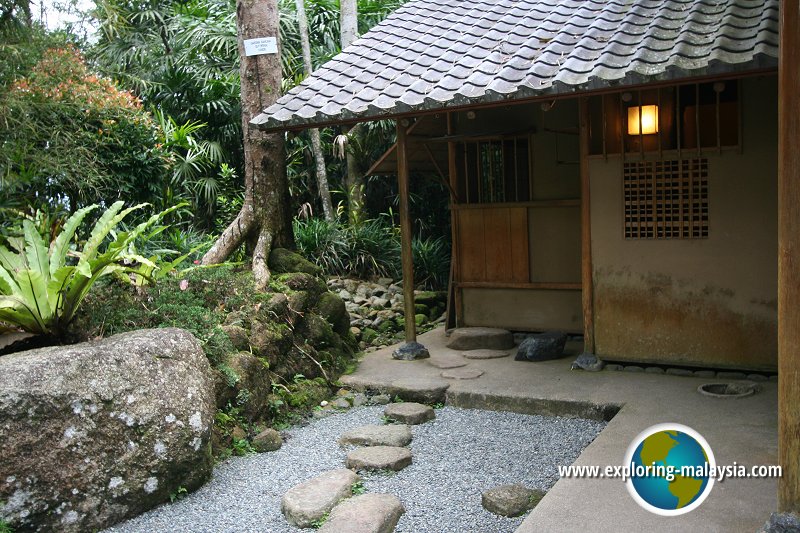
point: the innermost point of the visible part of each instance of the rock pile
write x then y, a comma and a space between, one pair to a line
376, 308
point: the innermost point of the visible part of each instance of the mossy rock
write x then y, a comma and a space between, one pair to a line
254, 385
224, 388
300, 301
300, 281
430, 298
277, 308
270, 340
319, 333
332, 308
235, 318
420, 319
238, 336
369, 335
436, 312
386, 326
283, 261
421, 309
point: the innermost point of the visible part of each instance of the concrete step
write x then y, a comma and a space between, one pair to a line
308, 502
462, 373
411, 413
366, 513
422, 390
480, 339
378, 458
374, 435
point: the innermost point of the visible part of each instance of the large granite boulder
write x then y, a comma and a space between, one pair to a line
94, 433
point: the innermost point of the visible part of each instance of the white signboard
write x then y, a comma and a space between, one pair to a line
263, 45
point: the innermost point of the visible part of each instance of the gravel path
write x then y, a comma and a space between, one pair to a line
456, 457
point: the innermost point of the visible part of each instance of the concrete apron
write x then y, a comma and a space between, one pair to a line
738, 430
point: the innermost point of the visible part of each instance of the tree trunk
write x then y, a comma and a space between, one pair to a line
265, 218
348, 21
354, 181
316, 142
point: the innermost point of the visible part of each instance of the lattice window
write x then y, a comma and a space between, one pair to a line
666, 199
493, 170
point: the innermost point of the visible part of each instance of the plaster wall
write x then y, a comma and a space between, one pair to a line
705, 301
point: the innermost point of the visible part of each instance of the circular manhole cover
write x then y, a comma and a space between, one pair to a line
728, 390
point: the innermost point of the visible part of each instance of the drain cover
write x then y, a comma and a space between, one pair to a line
728, 390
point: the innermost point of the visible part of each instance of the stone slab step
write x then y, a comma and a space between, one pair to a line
308, 502
486, 354
366, 513
422, 390
374, 435
411, 413
378, 458
481, 338
445, 362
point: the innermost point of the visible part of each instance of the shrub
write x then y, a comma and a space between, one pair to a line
74, 138
371, 248
40, 290
431, 262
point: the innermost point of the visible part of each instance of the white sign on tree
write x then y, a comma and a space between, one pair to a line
260, 46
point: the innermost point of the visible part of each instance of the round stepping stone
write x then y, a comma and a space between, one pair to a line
373, 435
409, 413
448, 362
485, 354
422, 390
366, 513
308, 502
379, 458
481, 338
510, 500
462, 373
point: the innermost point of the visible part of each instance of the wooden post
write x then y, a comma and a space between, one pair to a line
405, 231
453, 292
789, 257
587, 284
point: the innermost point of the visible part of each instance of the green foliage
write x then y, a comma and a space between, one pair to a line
69, 138
242, 447
370, 248
358, 488
431, 262
319, 522
201, 308
179, 494
40, 291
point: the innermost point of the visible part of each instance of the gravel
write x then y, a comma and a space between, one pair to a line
456, 456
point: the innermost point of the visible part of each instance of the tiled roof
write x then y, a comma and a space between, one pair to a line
438, 54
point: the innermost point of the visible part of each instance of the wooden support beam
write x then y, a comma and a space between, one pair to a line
405, 230
453, 293
789, 258
587, 291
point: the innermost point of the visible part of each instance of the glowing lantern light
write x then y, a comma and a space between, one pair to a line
649, 120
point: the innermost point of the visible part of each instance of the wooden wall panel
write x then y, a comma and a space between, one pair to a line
520, 258
493, 244
472, 257
497, 243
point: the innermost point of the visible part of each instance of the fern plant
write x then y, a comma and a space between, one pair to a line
42, 287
